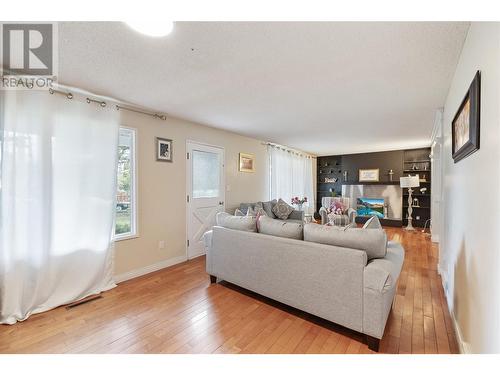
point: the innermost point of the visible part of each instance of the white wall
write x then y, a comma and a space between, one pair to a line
437, 177
162, 189
469, 253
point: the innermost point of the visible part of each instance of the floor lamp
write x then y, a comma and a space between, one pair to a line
409, 182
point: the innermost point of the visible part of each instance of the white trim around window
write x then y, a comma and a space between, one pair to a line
134, 228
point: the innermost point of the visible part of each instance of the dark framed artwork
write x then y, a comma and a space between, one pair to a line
465, 124
163, 149
369, 175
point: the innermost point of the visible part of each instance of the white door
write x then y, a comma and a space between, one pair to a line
205, 192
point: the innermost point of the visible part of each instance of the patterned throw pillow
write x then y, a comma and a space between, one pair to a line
337, 208
338, 220
282, 210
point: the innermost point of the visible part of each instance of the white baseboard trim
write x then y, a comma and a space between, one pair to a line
148, 269
463, 346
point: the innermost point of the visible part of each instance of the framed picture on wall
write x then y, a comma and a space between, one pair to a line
163, 149
369, 175
247, 163
465, 124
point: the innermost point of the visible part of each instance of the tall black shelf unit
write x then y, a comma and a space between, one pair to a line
331, 169
418, 161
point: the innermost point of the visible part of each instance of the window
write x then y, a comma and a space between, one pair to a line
206, 174
125, 195
291, 176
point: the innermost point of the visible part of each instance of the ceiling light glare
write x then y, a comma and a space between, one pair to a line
154, 28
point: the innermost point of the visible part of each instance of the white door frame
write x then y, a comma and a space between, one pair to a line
189, 183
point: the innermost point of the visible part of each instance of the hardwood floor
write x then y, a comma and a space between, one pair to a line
176, 310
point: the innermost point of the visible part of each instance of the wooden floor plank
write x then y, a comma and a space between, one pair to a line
177, 310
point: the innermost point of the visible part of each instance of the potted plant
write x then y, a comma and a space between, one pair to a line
299, 202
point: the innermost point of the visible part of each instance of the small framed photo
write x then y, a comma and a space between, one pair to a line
163, 149
465, 124
247, 163
369, 175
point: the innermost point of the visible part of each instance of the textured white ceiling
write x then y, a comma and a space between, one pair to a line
325, 88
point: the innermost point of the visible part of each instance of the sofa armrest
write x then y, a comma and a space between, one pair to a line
380, 280
296, 215
207, 243
352, 213
383, 273
324, 215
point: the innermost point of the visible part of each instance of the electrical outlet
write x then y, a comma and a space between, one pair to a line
161, 244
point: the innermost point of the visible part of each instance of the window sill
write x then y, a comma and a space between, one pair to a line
125, 237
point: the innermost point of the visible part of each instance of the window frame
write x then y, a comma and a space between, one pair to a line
134, 227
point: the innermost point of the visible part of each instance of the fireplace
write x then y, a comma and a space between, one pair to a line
391, 194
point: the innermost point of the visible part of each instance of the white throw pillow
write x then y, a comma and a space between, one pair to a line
251, 212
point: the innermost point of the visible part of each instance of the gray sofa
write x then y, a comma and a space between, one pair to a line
295, 216
335, 283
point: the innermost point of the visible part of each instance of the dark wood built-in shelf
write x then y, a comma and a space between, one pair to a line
398, 161
371, 183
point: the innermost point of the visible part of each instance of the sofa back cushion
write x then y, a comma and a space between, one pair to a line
244, 223
280, 228
268, 207
327, 201
372, 241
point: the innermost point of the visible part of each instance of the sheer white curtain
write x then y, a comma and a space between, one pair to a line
291, 176
57, 197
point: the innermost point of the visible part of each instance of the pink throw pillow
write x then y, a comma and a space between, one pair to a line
337, 208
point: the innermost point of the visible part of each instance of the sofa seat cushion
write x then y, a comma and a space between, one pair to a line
280, 228
244, 223
372, 241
